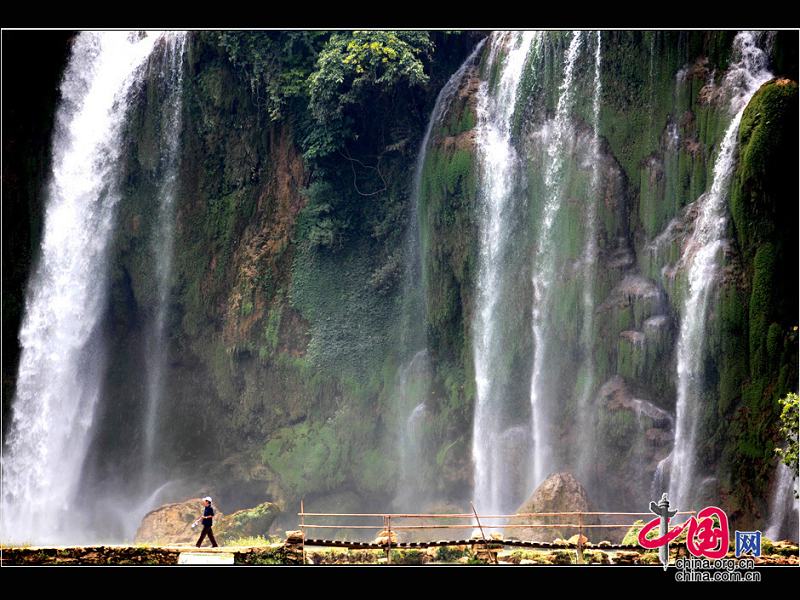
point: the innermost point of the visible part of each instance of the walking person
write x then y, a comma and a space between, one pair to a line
208, 518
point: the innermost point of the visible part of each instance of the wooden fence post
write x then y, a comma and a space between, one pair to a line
303, 528
388, 523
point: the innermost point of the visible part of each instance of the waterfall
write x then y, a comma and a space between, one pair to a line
413, 378
586, 409
411, 391
783, 506
63, 358
700, 260
163, 240
544, 262
499, 166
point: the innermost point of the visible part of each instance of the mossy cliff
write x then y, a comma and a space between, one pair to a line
762, 356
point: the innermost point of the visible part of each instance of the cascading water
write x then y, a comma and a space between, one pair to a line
163, 240
544, 265
413, 379
585, 407
498, 167
783, 507
62, 357
700, 259
411, 390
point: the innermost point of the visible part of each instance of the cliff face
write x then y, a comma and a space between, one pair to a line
287, 309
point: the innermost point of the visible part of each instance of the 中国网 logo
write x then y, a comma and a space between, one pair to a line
706, 535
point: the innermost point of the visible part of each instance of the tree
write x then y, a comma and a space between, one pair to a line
355, 68
276, 64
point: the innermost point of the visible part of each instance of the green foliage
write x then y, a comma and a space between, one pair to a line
631, 537
349, 328
475, 560
450, 553
352, 68
374, 471
276, 64
734, 350
316, 223
408, 557
789, 427
562, 557
259, 558
344, 263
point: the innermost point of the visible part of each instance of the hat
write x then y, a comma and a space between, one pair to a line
207, 498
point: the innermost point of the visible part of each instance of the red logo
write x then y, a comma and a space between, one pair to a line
704, 537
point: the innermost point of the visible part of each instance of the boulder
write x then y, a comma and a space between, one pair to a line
172, 523
385, 537
560, 492
250, 522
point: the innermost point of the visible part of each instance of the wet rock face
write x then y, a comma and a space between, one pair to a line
635, 436
561, 492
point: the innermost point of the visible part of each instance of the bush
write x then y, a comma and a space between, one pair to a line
789, 429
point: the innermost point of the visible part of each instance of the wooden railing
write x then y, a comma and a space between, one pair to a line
579, 521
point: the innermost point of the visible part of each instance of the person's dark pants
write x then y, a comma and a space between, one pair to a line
207, 532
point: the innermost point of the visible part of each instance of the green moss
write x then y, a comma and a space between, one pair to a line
448, 237
618, 428
307, 457
774, 343
734, 350
761, 301
271, 330
236, 528
768, 151
631, 358
374, 471
449, 554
